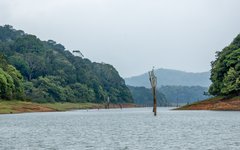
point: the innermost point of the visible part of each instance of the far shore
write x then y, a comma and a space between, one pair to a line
14, 107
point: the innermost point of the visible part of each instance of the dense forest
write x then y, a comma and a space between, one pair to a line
225, 72
44, 71
11, 81
144, 96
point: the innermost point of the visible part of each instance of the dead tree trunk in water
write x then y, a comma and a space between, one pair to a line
153, 81
154, 102
108, 103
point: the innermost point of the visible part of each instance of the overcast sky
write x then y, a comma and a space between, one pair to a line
132, 35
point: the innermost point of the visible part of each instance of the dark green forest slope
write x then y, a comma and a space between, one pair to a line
183, 94
144, 96
11, 81
50, 73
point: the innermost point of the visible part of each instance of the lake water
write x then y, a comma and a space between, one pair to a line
127, 129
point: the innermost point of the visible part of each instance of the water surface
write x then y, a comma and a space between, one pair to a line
126, 129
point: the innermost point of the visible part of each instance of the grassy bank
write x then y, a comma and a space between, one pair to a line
216, 103
8, 107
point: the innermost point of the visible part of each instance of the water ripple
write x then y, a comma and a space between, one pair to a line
127, 129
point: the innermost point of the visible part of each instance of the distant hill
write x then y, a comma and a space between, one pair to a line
143, 96
178, 95
172, 77
177, 86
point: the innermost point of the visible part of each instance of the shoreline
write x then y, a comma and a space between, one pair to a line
16, 107
216, 104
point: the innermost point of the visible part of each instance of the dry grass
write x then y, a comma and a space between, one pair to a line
8, 107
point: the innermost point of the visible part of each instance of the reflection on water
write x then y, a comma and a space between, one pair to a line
126, 129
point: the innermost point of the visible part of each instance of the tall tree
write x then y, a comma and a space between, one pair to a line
225, 72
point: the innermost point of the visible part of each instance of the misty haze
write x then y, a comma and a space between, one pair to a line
119, 74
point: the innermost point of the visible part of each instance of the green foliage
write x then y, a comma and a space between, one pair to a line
53, 74
7, 33
6, 85
28, 44
11, 81
231, 82
226, 70
82, 91
18, 61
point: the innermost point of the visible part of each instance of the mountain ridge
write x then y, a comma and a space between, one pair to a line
172, 77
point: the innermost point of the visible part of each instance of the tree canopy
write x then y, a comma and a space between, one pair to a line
11, 81
225, 72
